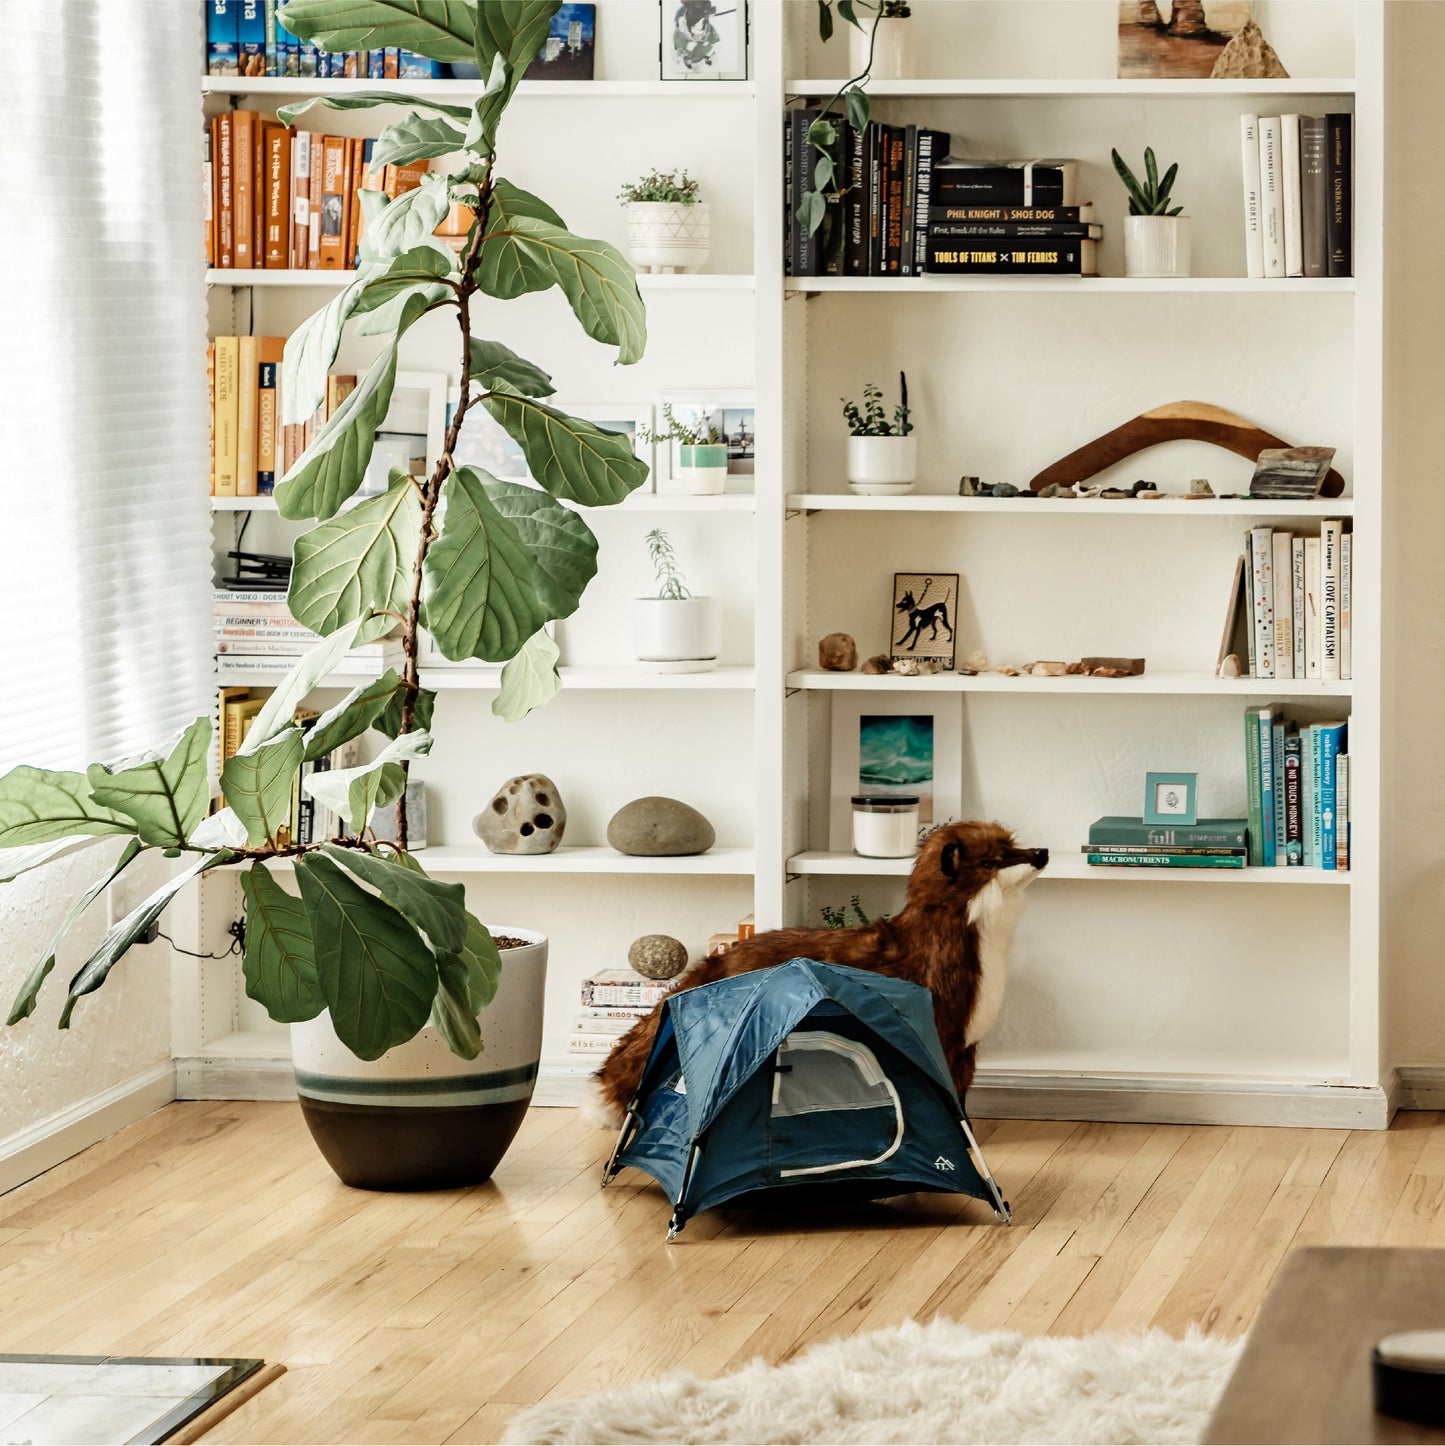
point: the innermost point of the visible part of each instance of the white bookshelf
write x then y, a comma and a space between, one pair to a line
1251, 995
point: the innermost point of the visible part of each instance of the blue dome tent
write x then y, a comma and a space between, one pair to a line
805, 1074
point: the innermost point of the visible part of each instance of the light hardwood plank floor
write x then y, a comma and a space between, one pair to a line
216, 1229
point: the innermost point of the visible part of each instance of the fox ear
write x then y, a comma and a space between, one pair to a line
948, 861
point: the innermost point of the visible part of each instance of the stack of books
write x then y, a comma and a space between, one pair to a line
1299, 791
249, 37
255, 632
1298, 194
1211, 843
613, 1000
1289, 605
251, 449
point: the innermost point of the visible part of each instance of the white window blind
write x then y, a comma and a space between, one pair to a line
105, 556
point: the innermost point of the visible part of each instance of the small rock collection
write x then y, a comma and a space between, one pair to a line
526, 815
838, 653
1199, 491
658, 956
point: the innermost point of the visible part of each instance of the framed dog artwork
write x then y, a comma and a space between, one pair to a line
925, 609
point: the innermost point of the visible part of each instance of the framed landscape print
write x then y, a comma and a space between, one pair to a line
704, 39
569, 51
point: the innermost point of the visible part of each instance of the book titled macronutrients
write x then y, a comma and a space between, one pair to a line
1166, 861
1293, 815
1330, 742
1026, 258
222, 34
1342, 811
959, 182
1249, 157
1271, 208
1224, 833
1014, 230
1339, 208
1282, 567
1331, 532
1347, 661
1012, 215
1314, 195
1289, 193
1261, 570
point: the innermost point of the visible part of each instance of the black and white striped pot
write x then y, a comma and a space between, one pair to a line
420, 1117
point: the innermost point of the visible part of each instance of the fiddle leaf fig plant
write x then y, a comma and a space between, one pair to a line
483, 564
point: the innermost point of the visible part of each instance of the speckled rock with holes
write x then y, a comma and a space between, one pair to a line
526, 816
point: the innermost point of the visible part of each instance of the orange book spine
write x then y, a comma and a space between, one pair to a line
258, 190
348, 202
313, 201
243, 180
246, 408
208, 193
225, 192
278, 201
338, 388
333, 204
400, 179
269, 449
300, 197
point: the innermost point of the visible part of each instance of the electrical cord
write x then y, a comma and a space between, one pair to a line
237, 931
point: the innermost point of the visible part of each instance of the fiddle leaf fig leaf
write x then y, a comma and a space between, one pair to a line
388, 721
220, 830
571, 458
310, 351
353, 715
415, 138
355, 792
367, 100
439, 910
530, 680
275, 717
438, 29
42, 806
377, 977
509, 33
418, 266
166, 792
563, 547
280, 961
481, 597
257, 785
17, 861
24, 1004
407, 223
358, 563
493, 363
468, 981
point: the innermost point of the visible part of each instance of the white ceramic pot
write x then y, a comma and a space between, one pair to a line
421, 1117
878, 466
703, 470
1156, 245
892, 49
677, 635
667, 236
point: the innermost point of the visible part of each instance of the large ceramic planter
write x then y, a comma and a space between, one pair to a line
421, 1117
882, 466
892, 49
667, 236
1156, 245
703, 470
677, 635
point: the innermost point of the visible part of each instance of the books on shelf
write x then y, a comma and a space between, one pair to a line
249, 38
1298, 195
1211, 843
1288, 614
1298, 806
255, 630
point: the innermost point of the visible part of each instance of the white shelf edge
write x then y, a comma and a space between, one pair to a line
966, 89
279, 277
308, 85
463, 677
586, 859
637, 502
1083, 507
1165, 684
1064, 868
1082, 285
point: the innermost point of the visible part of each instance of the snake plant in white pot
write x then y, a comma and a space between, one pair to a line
369, 953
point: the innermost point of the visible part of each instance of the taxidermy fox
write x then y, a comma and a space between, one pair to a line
953, 936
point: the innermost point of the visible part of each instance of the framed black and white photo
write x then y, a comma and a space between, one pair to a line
1171, 798
727, 411
413, 432
925, 610
704, 39
631, 419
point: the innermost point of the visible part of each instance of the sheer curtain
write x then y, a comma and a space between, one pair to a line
105, 553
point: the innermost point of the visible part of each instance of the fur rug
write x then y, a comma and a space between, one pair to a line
940, 1382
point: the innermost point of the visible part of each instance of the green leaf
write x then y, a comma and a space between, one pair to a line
121, 936
359, 562
823, 172
220, 830
509, 33
29, 991
414, 138
845, 9
562, 546
355, 792
481, 597
438, 910
493, 363
41, 806
287, 696
856, 104
353, 715
258, 785
823, 133
811, 210
407, 223
1151, 171
825, 21
280, 962
386, 303
166, 791
571, 458
377, 977
389, 720
368, 100
438, 29
17, 861
530, 680
467, 984
310, 351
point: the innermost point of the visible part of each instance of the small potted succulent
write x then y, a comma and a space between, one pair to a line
667, 226
1156, 235
675, 631
701, 458
890, 33
882, 452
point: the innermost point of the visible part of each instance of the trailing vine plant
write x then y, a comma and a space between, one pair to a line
484, 565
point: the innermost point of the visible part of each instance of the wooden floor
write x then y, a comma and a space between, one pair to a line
215, 1229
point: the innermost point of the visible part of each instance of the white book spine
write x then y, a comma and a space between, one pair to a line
1294, 260
1312, 607
1342, 811
1297, 568
1347, 669
1271, 209
1261, 560
1249, 155
1283, 572
1330, 532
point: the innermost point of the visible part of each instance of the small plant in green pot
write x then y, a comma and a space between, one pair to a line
1156, 235
667, 226
673, 630
701, 456
882, 451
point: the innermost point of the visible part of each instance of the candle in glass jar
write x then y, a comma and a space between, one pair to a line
885, 826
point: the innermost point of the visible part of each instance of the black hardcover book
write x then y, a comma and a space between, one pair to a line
1010, 214
1028, 258
893, 238
878, 145
787, 195
1006, 230
855, 206
959, 184
1339, 217
805, 261
1314, 195
833, 234
910, 193
932, 146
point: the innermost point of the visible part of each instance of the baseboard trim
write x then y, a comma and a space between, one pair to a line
55, 1139
234, 1077
1421, 1087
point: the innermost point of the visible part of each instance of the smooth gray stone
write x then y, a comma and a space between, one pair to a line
657, 827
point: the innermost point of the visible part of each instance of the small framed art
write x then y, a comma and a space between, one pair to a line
412, 433
925, 609
704, 39
631, 419
1171, 798
486, 443
730, 412
569, 51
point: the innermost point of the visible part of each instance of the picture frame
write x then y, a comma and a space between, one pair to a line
486, 443
413, 432
925, 613
1171, 798
631, 418
570, 50
702, 40
732, 410
937, 726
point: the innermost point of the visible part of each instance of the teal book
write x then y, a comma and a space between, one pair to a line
1277, 787
1313, 768
1264, 722
273, 50
1165, 860
1225, 833
1254, 793
1331, 744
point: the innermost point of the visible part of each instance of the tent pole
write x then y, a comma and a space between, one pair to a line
1000, 1205
679, 1215
610, 1168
